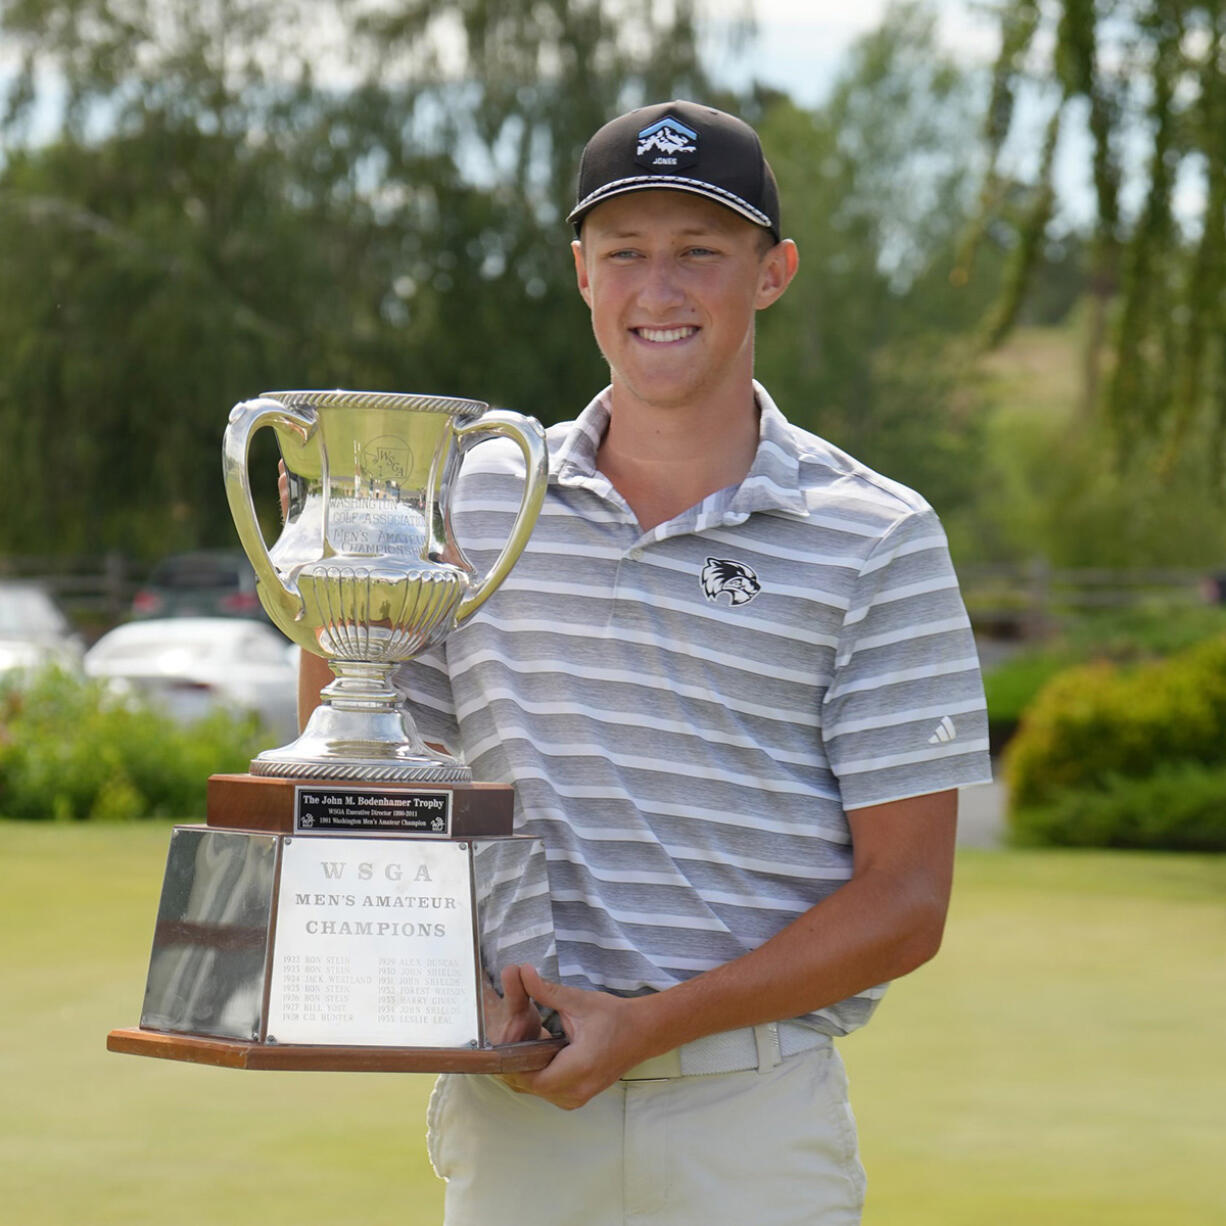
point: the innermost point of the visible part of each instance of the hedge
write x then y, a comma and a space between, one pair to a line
1112, 757
1094, 722
69, 750
1180, 807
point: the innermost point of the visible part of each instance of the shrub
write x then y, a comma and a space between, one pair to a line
1128, 636
1092, 723
1011, 687
1180, 807
70, 751
1143, 632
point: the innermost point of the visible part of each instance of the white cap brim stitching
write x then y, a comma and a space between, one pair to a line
697, 187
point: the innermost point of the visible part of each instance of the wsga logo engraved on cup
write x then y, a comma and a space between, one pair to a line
382, 459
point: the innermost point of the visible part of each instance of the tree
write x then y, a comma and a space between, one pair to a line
251, 194
1149, 73
864, 349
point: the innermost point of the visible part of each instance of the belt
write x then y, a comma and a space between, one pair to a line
731, 1051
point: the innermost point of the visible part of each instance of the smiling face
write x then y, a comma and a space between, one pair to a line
674, 282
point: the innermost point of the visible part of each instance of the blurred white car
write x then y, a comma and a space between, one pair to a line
190, 666
33, 632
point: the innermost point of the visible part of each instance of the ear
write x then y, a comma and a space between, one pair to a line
775, 272
581, 271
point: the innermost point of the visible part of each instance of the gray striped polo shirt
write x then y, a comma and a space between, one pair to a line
687, 713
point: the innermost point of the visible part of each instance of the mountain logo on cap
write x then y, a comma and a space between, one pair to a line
667, 145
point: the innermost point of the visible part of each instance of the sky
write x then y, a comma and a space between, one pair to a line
800, 49
801, 46
801, 42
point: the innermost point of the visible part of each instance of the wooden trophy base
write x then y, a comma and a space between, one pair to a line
291, 1057
279, 915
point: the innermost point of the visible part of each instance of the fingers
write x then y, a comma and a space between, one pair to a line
513, 1017
513, 990
572, 1005
526, 983
597, 1031
542, 990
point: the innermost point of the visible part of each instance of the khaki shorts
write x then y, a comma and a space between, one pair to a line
770, 1148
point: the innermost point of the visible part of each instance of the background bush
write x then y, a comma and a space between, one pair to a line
69, 751
1136, 757
1129, 636
1180, 807
1093, 722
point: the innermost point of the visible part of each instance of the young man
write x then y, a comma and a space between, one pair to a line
734, 686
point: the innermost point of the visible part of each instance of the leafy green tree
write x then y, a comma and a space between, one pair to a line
864, 349
251, 194
1149, 74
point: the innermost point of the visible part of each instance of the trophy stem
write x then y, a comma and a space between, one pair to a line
360, 730
360, 685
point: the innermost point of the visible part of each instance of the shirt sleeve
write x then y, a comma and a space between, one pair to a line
904, 714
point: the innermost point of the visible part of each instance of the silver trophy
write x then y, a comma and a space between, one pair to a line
367, 572
360, 924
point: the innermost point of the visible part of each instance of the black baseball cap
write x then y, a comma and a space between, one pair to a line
683, 147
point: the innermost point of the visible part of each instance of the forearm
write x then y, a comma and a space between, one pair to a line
884, 922
873, 929
313, 675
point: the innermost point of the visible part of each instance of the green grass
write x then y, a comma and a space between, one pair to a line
1060, 1063
92, 1138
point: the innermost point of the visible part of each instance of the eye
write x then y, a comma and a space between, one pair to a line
701, 251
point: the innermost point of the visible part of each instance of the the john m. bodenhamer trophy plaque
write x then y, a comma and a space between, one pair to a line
345, 905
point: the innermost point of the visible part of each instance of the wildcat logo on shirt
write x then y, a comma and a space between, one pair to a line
723, 576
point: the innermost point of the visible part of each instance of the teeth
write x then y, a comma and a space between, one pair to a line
662, 336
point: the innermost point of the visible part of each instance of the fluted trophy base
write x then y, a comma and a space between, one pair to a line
378, 745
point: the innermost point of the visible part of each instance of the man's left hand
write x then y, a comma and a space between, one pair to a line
512, 1017
604, 1043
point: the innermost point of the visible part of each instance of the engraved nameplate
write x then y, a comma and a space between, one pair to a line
371, 811
374, 944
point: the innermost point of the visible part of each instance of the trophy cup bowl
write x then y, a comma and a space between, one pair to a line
367, 572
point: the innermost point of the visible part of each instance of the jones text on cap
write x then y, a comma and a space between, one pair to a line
667, 145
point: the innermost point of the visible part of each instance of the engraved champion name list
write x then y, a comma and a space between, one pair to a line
374, 944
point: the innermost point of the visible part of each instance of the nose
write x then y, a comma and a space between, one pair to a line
660, 290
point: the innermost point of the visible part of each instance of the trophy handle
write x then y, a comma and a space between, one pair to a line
280, 597
528, 434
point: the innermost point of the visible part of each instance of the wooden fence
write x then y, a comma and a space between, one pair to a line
1006, 601
1028, 601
